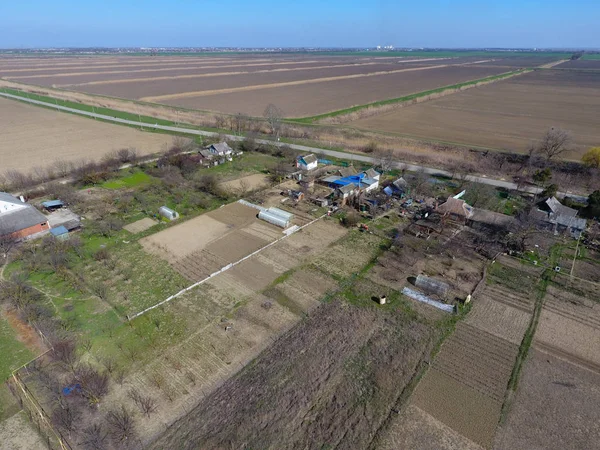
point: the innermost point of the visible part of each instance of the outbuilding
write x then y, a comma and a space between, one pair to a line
19, 219
168, 213
307, 162
60, 233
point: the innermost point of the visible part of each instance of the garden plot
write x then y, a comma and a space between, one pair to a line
348, 255
458, 406
140, 225
205, 244
477, 359
246, 184
519, 300
466, 385
416, 429
499, 319
569, 327
555, 408
304, 289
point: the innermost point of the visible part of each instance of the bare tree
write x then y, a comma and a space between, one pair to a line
385, 159
239, 123
94, 384
145, 403
554, 143
94, 437
273, 115
65, 351
7, 243
64, 417
62, 167
121, 425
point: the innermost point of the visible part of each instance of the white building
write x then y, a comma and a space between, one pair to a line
307, 162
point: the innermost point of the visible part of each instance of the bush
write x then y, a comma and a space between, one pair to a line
350, 219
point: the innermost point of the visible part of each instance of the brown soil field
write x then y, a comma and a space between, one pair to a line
458, 406
593, 64
313, 387
587, 270
418, 430
498, 319
506, 115
555, 408
308, 99
248, 183
35, 137
571, 328
140, 225
79, 80
477, 359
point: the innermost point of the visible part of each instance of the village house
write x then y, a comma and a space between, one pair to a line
307, 162
221, 150
456, 210
19, 219
555, 216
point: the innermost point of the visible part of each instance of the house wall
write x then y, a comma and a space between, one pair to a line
31, 230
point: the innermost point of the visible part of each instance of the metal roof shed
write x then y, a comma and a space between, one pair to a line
60, 232
53, 204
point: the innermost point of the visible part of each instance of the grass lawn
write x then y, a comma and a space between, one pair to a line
134, 179
13, 353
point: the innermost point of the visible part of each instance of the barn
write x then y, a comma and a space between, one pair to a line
19, 219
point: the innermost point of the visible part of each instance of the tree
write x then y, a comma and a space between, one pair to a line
7, 243
542, 176
64, 417
385, 159
591, 158
121, 425
273, 115
550, 191
593, 207
554, 143
94, 437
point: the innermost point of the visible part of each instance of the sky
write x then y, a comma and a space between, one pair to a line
308, 23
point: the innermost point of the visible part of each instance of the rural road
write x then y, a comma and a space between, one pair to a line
303, 148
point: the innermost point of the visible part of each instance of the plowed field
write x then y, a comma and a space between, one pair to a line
509, 114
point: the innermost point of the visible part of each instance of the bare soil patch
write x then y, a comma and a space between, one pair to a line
416, 429
140, 225
248, 183
499, 319
297, 394
36, 137
24, 332
460, 407
572, 329
555, 408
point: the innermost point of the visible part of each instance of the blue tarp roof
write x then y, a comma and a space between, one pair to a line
58, 231
52, 203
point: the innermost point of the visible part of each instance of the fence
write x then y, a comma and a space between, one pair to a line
37, 415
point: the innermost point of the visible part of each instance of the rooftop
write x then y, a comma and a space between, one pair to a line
20, 219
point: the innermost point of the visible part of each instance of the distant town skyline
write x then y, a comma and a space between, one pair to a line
336, 23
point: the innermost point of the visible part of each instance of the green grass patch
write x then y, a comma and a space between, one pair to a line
137, 178
13, 352
313, 119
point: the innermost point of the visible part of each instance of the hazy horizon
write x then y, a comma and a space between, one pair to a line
267, 24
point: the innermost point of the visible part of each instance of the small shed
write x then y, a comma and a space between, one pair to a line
168, 213
307, 162
60, 233
51, 205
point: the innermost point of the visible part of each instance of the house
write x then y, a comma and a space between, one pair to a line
373, 174
347, 171
455, 209
397, 188
221, 150
19, 219
559, 218
207, 159
307, 162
